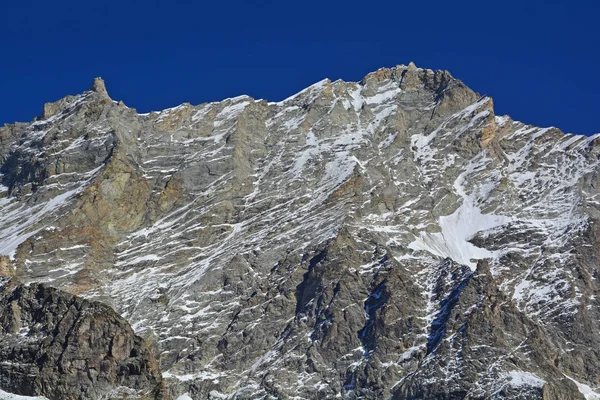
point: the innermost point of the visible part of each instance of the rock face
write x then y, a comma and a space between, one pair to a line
64, 347
391, 238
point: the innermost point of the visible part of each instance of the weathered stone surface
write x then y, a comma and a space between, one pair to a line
64, 347
391, 238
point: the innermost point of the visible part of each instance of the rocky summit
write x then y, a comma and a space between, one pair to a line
391, 238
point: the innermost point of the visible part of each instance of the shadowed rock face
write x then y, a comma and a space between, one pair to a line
388, 238
64, 347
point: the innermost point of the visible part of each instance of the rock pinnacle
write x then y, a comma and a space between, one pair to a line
98, 86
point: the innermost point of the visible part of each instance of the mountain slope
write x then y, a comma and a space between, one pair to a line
387, 238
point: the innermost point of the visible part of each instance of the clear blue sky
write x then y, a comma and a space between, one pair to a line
539, 60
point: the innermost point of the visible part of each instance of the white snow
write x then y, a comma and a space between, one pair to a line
311, 150
16, 223
460, 226
520, 378
137, 260
198, 115
10, 396
18, 219
316, 87
203, 375
471, 124
338, 170
230, 112
502, 120
383, 97
184, 396
357, 100
585, 390
387, 141
408, 354
162, 115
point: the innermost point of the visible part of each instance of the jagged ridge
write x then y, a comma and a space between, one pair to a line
250, 239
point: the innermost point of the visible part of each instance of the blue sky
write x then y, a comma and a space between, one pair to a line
539, 60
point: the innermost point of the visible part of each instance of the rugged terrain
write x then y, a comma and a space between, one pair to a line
65, 347
391, 238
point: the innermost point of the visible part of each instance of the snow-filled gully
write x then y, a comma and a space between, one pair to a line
460, 226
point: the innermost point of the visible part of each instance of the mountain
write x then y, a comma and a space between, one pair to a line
391, 238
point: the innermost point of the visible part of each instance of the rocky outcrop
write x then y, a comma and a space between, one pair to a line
64, 347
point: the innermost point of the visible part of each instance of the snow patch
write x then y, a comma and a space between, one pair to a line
502, 120
315, 87
461, 226
10, 396
387, 142
16, 223
520, 378
230, 112
585, 390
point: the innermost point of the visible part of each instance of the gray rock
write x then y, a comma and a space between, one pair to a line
64, 347
391, 238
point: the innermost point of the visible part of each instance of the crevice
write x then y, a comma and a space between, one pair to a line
376, 300
438, 326
367, 335
306, 290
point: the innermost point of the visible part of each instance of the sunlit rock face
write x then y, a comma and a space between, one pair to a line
64, 347
391, 238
